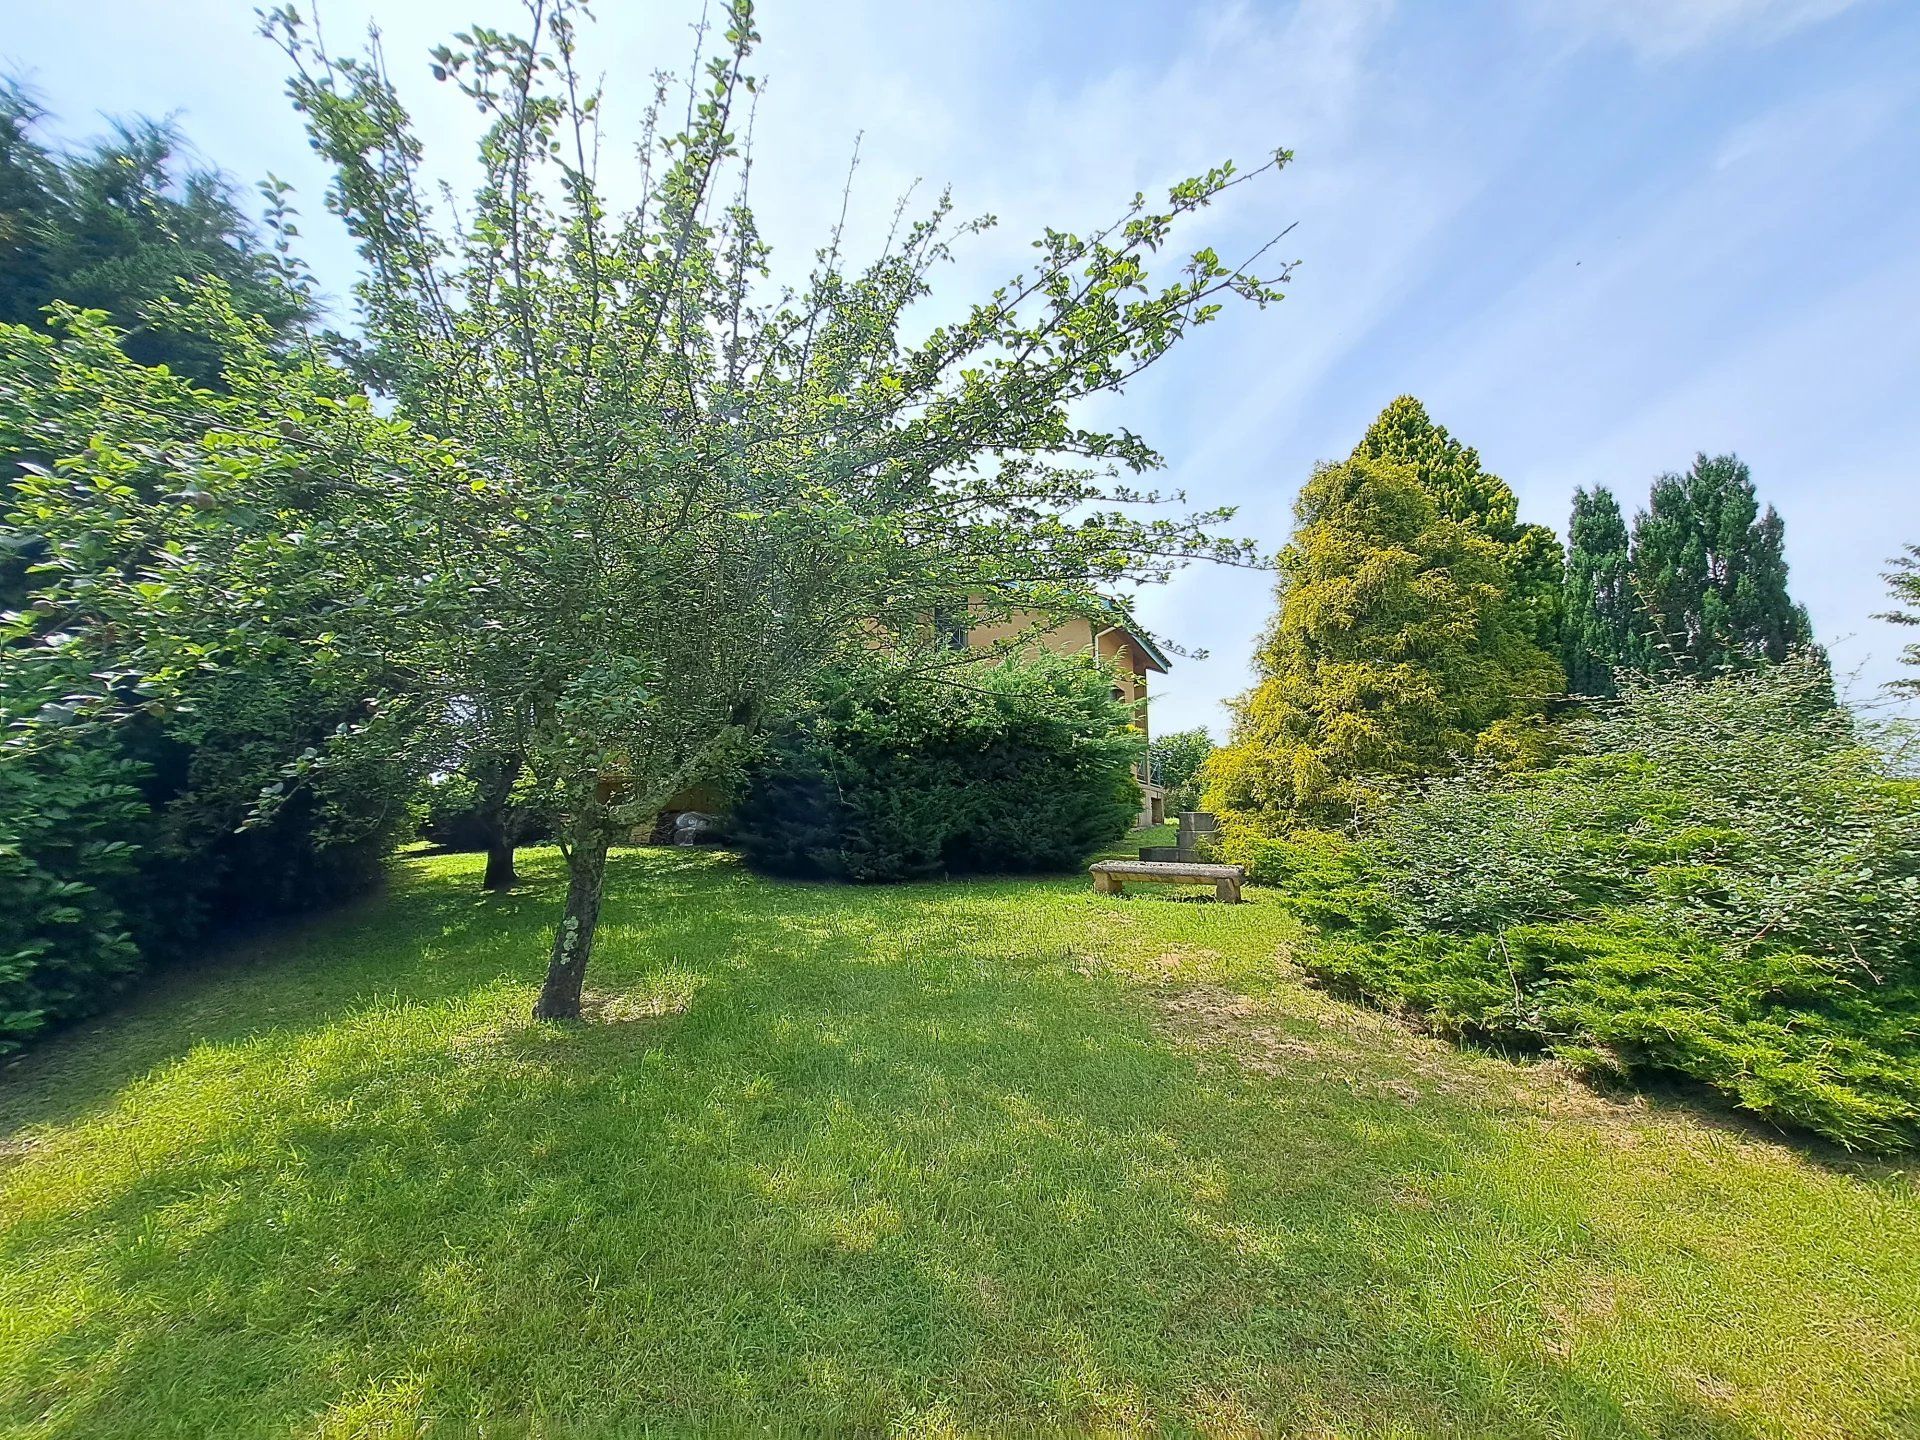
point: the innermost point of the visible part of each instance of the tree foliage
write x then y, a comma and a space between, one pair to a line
1175, 760
1016, 766
490, 803
1710, 573
631, 497
70, 820
1722, 883
126, 842
1466, 491
1601, 630
125, 222
1397, 648
1903, 581
145, 750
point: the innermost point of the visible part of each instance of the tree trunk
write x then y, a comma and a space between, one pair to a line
495, 776
500, 872
573, 942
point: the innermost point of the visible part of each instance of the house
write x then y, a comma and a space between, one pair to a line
1114, 640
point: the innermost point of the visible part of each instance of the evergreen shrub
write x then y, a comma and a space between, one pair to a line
1021, 766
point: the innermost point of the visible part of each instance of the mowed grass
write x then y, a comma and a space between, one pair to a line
981, 1157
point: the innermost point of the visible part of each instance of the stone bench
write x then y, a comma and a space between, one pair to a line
1109, 876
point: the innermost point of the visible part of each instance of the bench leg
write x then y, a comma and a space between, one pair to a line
1105, 884
1227, 892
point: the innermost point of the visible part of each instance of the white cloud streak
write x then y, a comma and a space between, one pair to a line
1726, 280
1660, 30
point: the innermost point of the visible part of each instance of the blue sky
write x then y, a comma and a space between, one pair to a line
1594, 236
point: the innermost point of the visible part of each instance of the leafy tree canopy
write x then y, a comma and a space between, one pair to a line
136, 734
1600, 613
632, 495
1464, 490
1903, 581
1174, 761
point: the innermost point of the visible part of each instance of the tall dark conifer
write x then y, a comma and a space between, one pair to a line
1710, 573
1598, 615
1903, 582
119, 225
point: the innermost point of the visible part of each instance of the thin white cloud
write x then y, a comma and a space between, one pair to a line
1663, 29
1701, 288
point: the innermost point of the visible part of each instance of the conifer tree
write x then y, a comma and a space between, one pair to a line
1466, 491
1600, 630
1903, 580
125, 224
1710, 573
1395, 649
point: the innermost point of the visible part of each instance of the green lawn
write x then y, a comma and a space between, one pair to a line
987, 1156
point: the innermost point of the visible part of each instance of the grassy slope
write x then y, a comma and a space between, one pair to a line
969, 1156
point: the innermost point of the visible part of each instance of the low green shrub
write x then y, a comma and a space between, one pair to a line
126, 845
1322, 874
69, 819
1786, 1035
1020, 766
1723, 885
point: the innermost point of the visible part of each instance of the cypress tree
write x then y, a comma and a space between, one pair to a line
1710, 573
1395, 649
1599, 616
1450, 472
1464, 490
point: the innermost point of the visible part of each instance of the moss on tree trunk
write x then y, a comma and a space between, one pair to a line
573, 941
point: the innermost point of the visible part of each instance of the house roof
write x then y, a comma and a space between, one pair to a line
1123, 622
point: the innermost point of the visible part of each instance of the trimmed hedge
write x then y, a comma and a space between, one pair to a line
69, 820
1022, 766
124, 848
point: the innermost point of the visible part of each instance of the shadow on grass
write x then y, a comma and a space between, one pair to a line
431, 934
853, 1162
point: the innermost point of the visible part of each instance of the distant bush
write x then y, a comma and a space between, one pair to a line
1020, 766
1724, 884
1175, 761
450, 814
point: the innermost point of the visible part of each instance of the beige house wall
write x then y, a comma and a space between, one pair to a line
1072, 636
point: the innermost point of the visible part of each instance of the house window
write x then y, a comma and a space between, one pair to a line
952, 629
